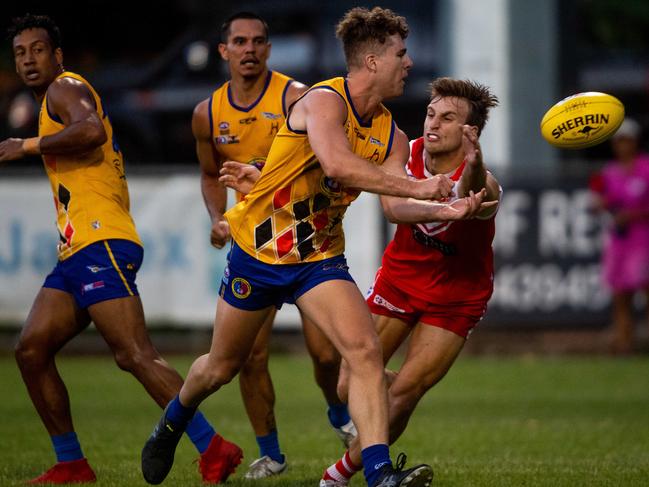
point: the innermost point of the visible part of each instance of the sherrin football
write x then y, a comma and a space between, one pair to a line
582, 120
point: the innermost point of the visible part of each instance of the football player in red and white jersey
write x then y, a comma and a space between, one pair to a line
437, 273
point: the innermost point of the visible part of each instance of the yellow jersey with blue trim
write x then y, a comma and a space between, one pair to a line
245, 134
90, 191
294, 212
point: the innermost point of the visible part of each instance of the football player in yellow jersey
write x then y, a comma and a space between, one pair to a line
325, 166
99, 256
238, 123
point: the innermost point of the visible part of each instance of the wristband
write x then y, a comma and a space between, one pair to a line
32, 146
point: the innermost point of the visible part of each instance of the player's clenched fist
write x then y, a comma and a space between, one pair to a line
436, 188
220, 234
11, 149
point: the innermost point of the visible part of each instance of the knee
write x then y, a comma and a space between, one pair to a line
134, 360
404, 393
28, 355
364, 355
216, 376
256, 363
327, 361
342, 388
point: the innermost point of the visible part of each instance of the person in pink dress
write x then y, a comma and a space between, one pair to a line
622, 190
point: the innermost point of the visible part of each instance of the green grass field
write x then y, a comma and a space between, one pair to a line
525, 421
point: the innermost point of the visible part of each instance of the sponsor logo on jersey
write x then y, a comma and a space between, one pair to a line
272, 116
92, 286
358, 133
247, 121
95, 268
241, 288
381, 301
96, 224
226, 139
335, 267
376, 142
433, 243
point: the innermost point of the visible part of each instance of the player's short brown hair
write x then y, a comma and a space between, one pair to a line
362, 29
479, 97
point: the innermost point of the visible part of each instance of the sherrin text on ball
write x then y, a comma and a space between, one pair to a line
582, 120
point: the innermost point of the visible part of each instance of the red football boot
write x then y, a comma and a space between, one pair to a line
74, 472
219, 461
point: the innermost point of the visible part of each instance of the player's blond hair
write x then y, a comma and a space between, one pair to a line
479, 97
362, 30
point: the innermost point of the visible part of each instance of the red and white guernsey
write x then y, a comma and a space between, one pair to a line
441, 262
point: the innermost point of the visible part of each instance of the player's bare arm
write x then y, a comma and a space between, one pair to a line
214, 192
410, 210
293, 93
475, 176
71, 101
322, 114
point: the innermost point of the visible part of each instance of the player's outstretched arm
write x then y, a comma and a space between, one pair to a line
214, 192
410, 210
322, 114
71, 101
475, 175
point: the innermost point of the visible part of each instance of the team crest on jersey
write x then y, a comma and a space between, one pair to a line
224, 128
272, 116
330, 187
241, 288
226, 139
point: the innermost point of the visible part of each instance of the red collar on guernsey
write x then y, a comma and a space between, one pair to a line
417, 166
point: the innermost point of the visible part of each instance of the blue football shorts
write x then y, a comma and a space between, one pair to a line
251, 285
101, 271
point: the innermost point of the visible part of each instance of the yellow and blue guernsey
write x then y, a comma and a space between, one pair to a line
90, 190
245, 134
294, 212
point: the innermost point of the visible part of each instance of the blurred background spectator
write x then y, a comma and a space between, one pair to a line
622, 188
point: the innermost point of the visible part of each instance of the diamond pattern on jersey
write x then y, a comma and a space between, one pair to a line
293, 225
284, 243
63, 199
320, 202
301, 209
282, 197
305, 239
263, 233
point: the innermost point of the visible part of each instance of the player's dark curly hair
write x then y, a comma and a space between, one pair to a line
225, 27
361, 29
479, 97
30, 21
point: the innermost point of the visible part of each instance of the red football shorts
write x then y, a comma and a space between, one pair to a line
387, 300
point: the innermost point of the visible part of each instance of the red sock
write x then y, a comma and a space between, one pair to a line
342, 470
